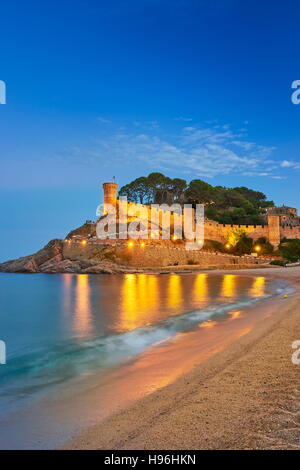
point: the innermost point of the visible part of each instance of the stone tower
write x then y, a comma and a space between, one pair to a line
110, 194
274, 229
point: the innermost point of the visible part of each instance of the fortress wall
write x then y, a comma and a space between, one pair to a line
219, 232
161, 256
273, 231
212, 230
290, 232
152, 256
93, 252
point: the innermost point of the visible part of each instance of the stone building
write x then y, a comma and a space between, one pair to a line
280, 222
288, 215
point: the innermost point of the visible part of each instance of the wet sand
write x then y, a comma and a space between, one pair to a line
237, 390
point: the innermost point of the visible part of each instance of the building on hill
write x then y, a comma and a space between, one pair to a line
288, 215
280, 222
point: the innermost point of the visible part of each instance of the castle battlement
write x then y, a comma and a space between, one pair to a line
275, 229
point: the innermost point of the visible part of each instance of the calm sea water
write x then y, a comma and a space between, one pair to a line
61, 327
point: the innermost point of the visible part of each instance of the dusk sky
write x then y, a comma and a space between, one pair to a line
190, 88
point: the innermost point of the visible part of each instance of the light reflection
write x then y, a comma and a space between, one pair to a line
229, 285
129, 302
152, 292
67, 292
82, 314
235, 315
208, 324
200, 288
174, 291
245, 331
139, 300
258, 288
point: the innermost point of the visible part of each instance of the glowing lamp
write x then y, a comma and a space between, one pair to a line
227, 246
84, 242
130, 244
142, 244
257, 248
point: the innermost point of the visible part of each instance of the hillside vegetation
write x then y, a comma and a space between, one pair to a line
238, 205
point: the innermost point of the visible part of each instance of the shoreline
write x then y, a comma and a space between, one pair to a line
58, 257
242, 397
178, 269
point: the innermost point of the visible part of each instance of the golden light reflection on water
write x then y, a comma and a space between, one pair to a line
229, 285
82, 320
174, 291
258, 288
139, 300
129, 297
200, 290
152, 291
135, 300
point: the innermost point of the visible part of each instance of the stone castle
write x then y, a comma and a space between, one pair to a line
281, 222
82, 251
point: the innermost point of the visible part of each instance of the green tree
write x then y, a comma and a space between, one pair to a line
199, 192
236, 206
290, 250
244, 246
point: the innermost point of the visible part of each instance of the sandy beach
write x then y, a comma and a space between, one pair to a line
243, 395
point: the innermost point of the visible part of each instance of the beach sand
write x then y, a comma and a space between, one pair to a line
244, 396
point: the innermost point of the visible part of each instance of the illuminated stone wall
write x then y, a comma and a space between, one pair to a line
219, 232
151, 255
273, 231
290, 232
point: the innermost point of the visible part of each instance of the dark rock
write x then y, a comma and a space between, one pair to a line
50, 263
86, 230
65, 266
32, 263
105, 267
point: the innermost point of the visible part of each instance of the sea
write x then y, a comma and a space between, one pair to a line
66, 334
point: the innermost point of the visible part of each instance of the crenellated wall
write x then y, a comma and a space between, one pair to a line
273, 230
219, 232
290, 232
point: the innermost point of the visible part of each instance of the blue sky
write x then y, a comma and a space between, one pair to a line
192, 88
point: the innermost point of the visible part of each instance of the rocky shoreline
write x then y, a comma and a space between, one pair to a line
51, 260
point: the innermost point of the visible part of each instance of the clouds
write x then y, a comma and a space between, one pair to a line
193, 151
290, 164
129, 150
103, 120
197, 151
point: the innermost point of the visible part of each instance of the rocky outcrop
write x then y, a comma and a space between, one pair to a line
32, 263
58, 257
86, 230
106, 267
50, 260
64, 266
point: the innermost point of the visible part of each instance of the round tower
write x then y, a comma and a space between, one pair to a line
110, 194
